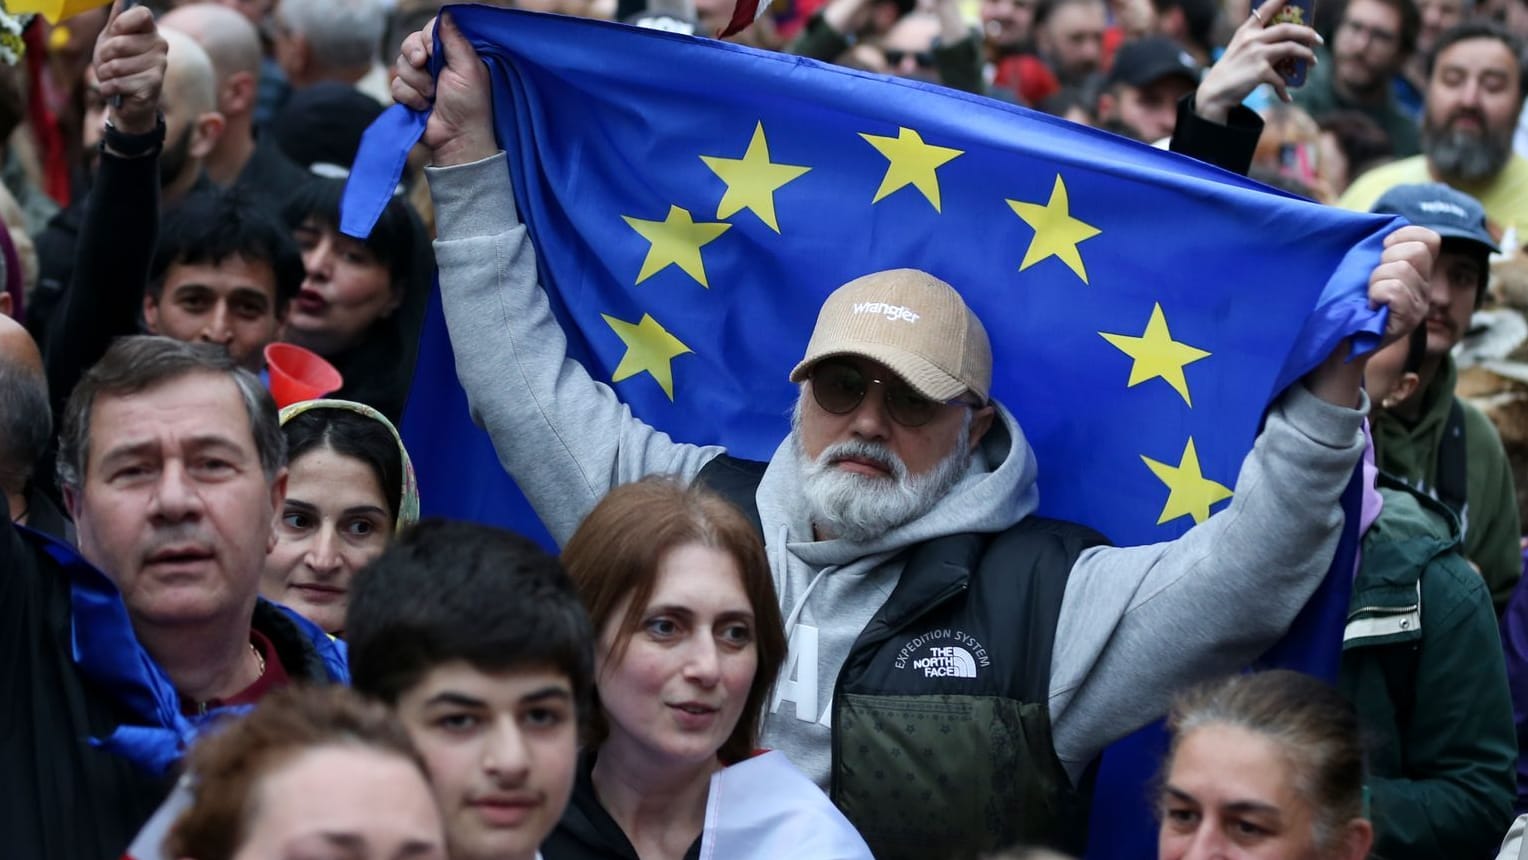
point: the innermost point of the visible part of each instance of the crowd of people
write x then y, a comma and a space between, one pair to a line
229, 633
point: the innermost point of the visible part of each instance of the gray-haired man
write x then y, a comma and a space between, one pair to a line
173, 465
957, 663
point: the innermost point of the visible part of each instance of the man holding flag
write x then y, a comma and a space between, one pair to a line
957, 661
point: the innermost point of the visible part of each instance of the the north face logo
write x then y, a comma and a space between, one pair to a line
949, 662
936, 654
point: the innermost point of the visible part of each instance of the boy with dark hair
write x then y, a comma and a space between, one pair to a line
225, 272
478, 640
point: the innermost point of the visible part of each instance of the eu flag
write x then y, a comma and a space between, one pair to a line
694, 201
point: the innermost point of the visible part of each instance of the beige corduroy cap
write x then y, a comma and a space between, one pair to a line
913, 323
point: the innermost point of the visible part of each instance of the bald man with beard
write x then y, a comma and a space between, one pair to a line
238, 158
193, 124
188, 104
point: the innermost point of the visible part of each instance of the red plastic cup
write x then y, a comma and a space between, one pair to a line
298, 374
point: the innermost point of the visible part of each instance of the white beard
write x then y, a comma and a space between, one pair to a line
859, 508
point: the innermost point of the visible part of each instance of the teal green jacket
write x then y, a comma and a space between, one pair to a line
1422, 662
1491, 525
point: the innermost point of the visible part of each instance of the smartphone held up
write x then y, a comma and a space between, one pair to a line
1300, 12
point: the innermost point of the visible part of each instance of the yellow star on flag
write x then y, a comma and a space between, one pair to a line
676, 240
1191, 493
1057, 233
912, 162
752, 180
649, 348
1157, 355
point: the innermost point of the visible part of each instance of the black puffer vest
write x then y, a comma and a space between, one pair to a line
941, 722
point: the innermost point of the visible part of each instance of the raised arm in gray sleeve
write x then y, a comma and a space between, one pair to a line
1140, 623
565, 438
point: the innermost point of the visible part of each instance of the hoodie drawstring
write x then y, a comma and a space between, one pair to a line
782, 559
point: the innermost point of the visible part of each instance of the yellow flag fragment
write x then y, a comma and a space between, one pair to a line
53, 10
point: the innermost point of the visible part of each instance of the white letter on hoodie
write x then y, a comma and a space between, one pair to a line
798, 682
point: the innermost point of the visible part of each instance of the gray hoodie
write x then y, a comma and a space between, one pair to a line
1136, 624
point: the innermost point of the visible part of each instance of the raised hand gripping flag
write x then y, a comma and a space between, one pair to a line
693, 202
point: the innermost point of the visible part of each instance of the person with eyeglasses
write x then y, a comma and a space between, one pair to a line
956, 663
1372, 42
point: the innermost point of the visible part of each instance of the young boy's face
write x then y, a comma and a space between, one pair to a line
501, 749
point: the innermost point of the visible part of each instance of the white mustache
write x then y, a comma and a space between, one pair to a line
861, 449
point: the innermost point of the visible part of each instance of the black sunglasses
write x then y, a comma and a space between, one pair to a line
924, 59
839, 386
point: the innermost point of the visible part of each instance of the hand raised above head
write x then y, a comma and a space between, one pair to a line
1252, 57
460, 127
130, 60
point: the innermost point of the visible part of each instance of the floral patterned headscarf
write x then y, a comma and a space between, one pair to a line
408, 499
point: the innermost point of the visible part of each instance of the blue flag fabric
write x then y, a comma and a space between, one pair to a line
694, 201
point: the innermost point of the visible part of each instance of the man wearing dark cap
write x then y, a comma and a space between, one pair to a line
1374, 39
956, 662
323, 124
1434, 440
1148, 78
